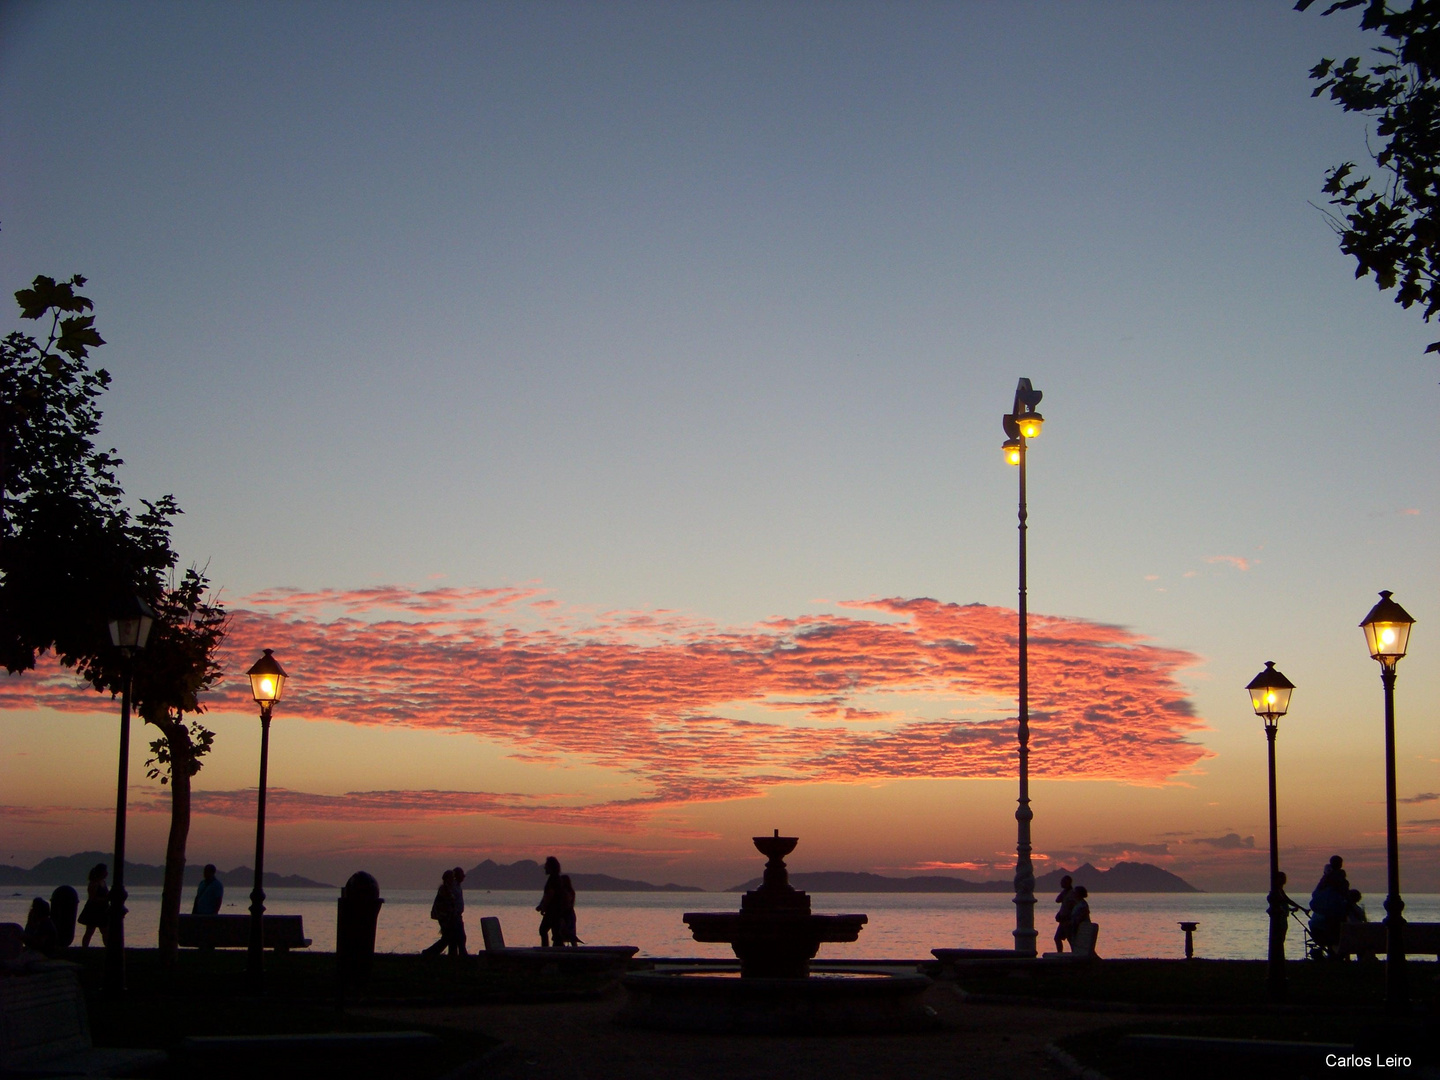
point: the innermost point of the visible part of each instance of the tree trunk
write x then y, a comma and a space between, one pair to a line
174, 888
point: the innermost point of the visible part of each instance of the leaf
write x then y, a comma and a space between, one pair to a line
45, 293
77, 336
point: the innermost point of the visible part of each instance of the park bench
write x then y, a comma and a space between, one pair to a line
282, 932
560, 958
1367, 939
45, 1031
950, 962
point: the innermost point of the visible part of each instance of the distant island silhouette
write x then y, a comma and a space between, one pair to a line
72, 870
1122, 877
528, 875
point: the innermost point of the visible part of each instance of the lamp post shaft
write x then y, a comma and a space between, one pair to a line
115, 930
1277, 909
255, 967
1025, 933
1397, 988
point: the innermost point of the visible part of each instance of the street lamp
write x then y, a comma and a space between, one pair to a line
1387, 633
1270, 697
129, 632
1021, 424
267, 680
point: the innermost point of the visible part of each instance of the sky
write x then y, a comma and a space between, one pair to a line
597, 409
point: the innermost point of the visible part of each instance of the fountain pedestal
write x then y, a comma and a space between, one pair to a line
774, 934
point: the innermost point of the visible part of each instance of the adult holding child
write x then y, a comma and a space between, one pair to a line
557, 907
1066, 900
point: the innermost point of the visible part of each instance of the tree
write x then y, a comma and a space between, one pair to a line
1391, 224
178, 666
70, 550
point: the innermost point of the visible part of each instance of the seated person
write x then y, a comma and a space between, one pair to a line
40, 934
210, 893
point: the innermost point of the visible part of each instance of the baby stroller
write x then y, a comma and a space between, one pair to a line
1314, 950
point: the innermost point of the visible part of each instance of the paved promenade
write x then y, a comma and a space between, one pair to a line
580, 1041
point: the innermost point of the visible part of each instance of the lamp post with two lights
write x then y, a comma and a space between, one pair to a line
1021, 424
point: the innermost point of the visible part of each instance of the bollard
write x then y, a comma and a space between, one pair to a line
1189, 928
356, 913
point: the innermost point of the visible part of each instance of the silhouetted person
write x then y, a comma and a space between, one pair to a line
1354, 912
443, 912
1328, 904
1287, 906
1066, 900
557, 907
1333, 877
209, 894
1080, 913
457, 918
64, 906
40, 935
95, 914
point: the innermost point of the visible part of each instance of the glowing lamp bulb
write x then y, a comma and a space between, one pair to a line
1270, 694
1030, 425
267, 680
1387, 636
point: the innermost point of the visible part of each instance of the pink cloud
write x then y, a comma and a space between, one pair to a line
1231, 560
892, 689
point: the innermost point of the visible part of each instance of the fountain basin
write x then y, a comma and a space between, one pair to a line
773, 945
835, 1001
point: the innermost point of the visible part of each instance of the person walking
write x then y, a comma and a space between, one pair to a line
457, 913
96, 912
210, 893
443, 912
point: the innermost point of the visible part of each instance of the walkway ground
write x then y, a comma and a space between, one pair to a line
581, 1041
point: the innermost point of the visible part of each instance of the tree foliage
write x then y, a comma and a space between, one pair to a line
1390, 224
70, 549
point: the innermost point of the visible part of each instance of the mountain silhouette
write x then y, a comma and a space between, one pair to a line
1122, 877
528, 875
75, 869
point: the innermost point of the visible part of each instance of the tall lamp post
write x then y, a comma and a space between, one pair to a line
1021, 424
1387, 633
129, 631
267, 680
1270, 697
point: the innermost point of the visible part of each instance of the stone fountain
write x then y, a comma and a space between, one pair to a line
774, 934
775, 937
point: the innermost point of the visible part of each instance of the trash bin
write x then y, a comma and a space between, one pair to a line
357, 911
64, 907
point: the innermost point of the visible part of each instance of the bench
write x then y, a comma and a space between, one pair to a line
1082, 944
45, 1030
282, 932
1367, 939
566, 957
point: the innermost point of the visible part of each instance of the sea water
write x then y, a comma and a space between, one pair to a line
902, 925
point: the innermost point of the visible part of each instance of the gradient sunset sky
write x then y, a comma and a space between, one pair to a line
597, 409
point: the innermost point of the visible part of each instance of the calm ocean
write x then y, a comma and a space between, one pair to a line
902, 925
